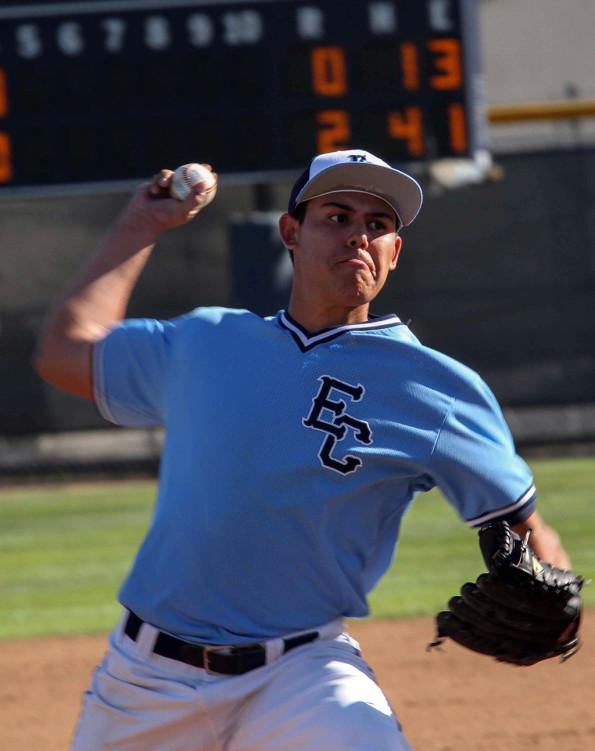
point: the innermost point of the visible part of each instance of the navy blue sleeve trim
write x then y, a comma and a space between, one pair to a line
522, 514
513, 513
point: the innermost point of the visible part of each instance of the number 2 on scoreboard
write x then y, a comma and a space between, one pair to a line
5, 143
335, 132
5, 158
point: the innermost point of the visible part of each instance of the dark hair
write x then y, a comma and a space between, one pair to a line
299, 212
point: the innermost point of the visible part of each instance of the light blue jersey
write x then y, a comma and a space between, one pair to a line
289, 461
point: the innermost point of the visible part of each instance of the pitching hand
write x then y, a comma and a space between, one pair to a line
152, 207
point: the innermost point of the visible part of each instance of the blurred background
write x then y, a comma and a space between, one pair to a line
498, 271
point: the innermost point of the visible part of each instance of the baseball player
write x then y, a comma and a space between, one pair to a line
294, 444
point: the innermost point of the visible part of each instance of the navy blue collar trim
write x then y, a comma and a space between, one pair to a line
306, 341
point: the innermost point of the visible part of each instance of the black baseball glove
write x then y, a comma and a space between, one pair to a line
522, 611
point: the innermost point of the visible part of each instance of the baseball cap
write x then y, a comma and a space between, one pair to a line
362, 172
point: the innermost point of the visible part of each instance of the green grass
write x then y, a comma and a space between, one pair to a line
64, 550
63, 554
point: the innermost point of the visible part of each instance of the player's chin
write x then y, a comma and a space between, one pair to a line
361, 292
368, 283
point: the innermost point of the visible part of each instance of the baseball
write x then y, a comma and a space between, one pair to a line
186, 176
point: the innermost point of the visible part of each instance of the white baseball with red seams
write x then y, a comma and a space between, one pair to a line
186, 176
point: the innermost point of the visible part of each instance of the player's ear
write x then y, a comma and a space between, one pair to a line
289, 230
396, 252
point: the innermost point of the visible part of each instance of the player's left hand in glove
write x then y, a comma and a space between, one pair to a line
522, 611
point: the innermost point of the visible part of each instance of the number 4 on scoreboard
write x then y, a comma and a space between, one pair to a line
408, 127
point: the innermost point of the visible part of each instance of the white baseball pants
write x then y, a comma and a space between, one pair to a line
321, 696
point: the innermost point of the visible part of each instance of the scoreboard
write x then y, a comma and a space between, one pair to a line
109, 90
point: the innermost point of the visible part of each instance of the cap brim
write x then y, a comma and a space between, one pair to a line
396, 188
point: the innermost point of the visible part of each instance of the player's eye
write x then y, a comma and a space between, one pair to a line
377, 226
338, 218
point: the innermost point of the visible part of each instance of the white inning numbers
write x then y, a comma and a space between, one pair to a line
114, 34
157, 33
241, 27
201, 30
69, 39
28, 41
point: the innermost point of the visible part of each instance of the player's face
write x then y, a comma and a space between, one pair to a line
344, 249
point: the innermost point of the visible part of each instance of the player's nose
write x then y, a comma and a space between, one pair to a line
358, 239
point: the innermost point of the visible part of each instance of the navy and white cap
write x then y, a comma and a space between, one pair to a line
359, 171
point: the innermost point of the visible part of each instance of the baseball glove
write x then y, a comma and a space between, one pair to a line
522, 611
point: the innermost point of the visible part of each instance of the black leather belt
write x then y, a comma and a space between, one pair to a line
225, 660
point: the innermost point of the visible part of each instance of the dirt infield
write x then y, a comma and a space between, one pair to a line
447, 701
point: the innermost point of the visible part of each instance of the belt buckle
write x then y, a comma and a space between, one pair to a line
209, 649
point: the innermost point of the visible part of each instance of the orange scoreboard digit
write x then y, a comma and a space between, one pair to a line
94, 92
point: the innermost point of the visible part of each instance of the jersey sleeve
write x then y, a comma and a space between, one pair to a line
130, 368
475, 464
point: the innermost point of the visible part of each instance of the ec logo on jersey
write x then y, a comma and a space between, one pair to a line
338, 425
